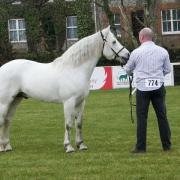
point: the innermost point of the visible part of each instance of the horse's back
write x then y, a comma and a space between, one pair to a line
36, 80
18, 68
13, 66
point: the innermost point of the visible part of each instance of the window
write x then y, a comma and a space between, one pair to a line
17, 31
16, 2
170, 21
117, 24
71, 28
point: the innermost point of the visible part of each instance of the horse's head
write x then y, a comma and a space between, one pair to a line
112, 49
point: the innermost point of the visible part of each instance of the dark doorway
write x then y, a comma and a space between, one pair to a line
137, 18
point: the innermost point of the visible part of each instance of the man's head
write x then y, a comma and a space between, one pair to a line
145, 34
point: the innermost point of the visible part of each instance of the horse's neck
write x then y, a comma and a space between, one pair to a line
96, 46
83, 55
95, 50
89, 49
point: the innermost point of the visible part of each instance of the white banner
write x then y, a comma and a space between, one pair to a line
169, 78
120, 78
101, 78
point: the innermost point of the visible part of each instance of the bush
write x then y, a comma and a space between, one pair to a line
43, 57
5, 46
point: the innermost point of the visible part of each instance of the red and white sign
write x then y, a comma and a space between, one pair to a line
115, 77
101, 78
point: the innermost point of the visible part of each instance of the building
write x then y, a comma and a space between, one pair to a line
166, 15
17, 28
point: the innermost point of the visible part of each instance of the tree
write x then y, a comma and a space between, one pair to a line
5, 46
37, 15
104, 4
58, 14
127, 28
84, 18
149, 8
34, 29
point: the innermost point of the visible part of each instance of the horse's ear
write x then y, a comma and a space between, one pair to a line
109, 28
113, 30
106, 30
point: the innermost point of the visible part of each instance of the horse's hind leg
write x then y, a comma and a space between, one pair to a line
79, 107
4, 128
3, 112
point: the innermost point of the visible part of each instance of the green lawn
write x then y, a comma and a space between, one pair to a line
37, 138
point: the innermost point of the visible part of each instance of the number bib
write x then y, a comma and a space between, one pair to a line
152, 83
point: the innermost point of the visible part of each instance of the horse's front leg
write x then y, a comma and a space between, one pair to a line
78, 123
69, 117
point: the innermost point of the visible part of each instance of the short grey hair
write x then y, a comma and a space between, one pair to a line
147, 32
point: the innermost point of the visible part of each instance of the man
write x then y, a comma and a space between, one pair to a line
150, 64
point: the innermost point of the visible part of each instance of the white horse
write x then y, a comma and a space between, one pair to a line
65, 80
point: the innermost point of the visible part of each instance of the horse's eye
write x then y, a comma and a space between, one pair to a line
114, 42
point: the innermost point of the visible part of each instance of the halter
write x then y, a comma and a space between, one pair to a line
104, 41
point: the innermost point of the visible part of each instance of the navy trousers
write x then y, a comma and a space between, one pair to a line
157, 98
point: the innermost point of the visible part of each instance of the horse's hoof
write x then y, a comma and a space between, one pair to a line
82, 147
69, 149
8, 147
2, 149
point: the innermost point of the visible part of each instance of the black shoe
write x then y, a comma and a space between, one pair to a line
134, 151
167, 149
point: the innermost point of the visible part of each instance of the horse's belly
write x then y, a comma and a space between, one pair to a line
53, 92
66, 92
42, 94
41, 89
40, 84
52, 87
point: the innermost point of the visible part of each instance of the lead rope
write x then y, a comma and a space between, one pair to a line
130, 97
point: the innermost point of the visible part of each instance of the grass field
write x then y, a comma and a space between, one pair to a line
37, 138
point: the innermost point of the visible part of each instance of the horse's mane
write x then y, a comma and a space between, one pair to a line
80, 51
